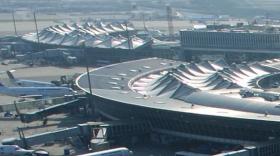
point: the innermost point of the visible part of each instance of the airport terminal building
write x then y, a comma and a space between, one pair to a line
111, 42
235, 44
205, 101
230, 39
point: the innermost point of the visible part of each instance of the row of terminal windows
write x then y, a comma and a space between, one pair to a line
229, 40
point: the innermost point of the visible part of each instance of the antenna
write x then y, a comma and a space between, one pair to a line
170, 21
14, 21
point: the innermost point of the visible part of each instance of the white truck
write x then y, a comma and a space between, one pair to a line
111, 152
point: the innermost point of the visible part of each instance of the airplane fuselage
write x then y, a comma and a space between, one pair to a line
31, 83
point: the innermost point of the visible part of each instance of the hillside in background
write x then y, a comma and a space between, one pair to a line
237, 8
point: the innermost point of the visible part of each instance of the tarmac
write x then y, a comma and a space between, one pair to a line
9, 126
45, 73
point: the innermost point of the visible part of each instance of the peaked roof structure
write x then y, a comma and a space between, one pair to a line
97, 35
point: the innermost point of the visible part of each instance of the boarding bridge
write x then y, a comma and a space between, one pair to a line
88, 133
35, 104
45, 107
98, 133
54, 109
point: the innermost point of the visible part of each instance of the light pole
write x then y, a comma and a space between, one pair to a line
128, 35
14, 21
90, 102
37, 31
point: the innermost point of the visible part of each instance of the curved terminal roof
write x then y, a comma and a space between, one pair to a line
207, 88
95, 35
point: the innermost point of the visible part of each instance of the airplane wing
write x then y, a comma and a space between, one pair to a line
12, 70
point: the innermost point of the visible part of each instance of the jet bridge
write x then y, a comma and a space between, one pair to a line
89, 133
35, 104
54, 109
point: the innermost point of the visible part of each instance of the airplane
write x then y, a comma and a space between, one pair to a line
36, 91
14, 150
122, 151
27, 83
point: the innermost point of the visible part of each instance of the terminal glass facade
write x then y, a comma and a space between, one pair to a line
229, 40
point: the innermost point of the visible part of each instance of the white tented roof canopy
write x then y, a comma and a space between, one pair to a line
112, 35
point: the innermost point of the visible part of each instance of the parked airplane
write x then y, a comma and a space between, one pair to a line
27, 83
36, 91
14, 150
111, 152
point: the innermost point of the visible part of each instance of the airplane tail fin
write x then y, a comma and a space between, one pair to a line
10, 75
1, 85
